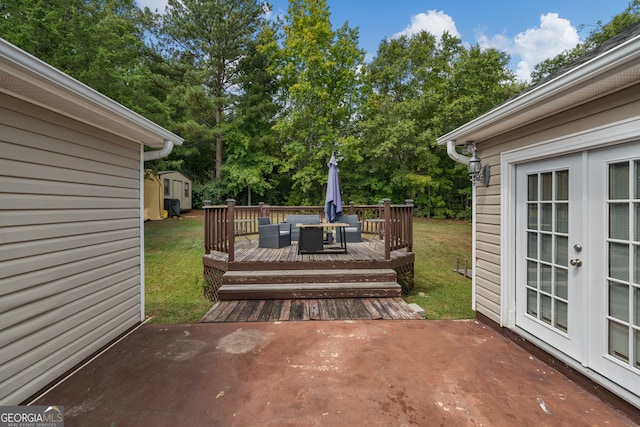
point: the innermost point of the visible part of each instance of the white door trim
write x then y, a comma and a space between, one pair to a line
600, 137
611, 134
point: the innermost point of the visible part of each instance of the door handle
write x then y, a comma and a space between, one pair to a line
576, 262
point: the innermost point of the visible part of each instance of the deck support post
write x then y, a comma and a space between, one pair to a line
231, 232
387, 228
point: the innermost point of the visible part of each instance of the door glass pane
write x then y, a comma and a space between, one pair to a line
619, 301
545, 308
547, 186
532, 274
548, 248
636, 339
636, 307
619, 261
561, 315
546, 243
562, 287
546, 216
545, 278
637, 179
619, 181
562, 185
562, 250
532, 245
637, 221
532, 188
636, 262
619, 221
618, 341
532, 302
532, 216
562, 218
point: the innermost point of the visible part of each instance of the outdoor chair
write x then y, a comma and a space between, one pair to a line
273, 235
353, 233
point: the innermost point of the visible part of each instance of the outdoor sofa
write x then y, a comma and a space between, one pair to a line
300, 219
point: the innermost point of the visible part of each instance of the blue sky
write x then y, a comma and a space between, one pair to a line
528, 30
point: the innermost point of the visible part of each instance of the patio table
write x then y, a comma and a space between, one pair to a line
312, 242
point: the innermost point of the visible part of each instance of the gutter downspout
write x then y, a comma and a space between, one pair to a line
454, 155
158, 154
147, 156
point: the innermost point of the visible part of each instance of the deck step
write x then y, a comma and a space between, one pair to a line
228, 292
309, 276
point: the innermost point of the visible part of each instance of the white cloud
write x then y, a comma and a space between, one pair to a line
534, 45
435, 22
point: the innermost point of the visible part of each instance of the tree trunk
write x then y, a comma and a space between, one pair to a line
218, 144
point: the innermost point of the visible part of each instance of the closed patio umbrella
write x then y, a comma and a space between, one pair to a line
333, 201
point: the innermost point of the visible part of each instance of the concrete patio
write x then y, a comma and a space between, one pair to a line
333, 373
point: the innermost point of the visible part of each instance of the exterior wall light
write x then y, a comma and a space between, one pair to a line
477, 172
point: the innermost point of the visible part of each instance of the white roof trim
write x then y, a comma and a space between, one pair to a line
26, 77
613, 70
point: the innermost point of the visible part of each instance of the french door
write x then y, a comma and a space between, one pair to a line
550, 287
578, 258
614, 179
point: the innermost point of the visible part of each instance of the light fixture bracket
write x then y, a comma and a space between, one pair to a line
477, 172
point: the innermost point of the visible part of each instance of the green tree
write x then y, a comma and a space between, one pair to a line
99, 42
422, 87
208, 40
321, 89
253, 159
629, 16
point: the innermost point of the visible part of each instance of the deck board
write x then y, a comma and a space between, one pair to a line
311, 309
356, 252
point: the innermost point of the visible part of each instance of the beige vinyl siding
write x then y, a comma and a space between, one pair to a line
488, 250
69, 244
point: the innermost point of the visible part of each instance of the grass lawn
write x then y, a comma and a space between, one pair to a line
437, 244
175, 282
174, 278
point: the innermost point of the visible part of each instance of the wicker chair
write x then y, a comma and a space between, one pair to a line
353, 233
273, 235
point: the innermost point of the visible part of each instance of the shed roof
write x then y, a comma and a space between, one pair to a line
610, 67
26, 77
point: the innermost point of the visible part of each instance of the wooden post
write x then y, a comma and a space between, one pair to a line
231, 232
409, 226
207, 230
387, 228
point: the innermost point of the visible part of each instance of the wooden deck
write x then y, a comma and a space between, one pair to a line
281, 274
310, 309
249, 256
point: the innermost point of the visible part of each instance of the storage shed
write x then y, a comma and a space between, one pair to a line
177, 187
71, 221
556, 229
153, 197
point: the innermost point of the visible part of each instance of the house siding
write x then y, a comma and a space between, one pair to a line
609, 109
70, 241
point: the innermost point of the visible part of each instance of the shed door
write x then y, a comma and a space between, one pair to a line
550, 283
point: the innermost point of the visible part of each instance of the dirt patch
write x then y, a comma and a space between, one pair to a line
193, 213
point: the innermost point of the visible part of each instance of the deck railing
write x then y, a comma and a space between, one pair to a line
223, 224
